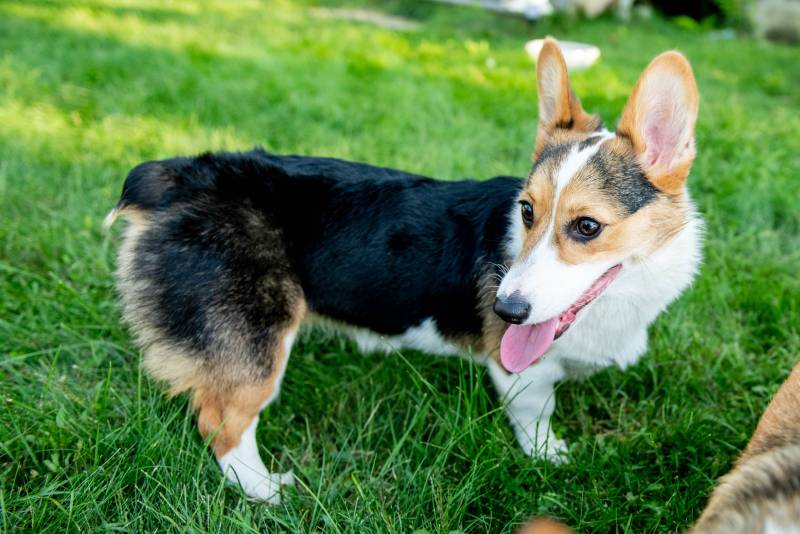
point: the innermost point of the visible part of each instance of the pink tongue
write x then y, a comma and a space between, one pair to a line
524, 344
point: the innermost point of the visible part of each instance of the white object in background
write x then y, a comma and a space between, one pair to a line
577, 55
367, 16
590, 8
530, 9
778, 20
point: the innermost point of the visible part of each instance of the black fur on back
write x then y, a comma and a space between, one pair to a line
369, 246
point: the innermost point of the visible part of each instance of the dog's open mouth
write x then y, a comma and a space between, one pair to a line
524, 344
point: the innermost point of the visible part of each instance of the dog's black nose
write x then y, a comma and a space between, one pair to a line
512, 309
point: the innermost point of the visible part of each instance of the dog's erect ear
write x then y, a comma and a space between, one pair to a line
659, 120
558, 105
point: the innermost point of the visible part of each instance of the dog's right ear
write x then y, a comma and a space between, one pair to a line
659, 120
559, 107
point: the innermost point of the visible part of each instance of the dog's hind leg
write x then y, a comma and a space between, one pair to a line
210, 292
217, 322
230, 416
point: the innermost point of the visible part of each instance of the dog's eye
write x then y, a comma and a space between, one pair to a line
527, 212
585, 228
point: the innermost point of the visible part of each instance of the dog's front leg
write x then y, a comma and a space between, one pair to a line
529, 399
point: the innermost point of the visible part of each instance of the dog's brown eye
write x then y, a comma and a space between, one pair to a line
527, 212
586, 228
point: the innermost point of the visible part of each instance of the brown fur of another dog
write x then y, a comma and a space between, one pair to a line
762, 492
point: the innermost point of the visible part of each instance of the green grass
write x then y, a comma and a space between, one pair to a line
88, 89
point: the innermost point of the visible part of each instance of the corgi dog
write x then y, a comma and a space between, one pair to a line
226, 255
761, 494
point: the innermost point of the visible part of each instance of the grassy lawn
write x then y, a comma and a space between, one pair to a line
90, 88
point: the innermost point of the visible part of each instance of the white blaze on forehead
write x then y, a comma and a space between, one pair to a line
572, 164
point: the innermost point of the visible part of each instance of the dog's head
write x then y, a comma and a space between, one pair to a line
595, 202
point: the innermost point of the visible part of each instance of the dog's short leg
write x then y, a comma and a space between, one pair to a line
530, 401
230, 417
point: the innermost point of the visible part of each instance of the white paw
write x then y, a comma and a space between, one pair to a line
546, 447
244, 468
267, 489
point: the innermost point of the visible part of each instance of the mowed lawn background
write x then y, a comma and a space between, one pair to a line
378, 444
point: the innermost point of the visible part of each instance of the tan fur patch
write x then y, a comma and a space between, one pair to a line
224, 412
544, 526
758, 490
780, 423
225, 415
539, 192
763, 485
493, 326
175, 366
133, 214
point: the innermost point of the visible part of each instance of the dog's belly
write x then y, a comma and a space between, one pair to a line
424, 337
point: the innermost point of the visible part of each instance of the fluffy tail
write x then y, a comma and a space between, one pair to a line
108, 220
154, 185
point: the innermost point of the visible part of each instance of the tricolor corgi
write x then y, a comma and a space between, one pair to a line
228, 254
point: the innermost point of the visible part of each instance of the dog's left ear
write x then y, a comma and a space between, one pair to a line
659, 120
559, 107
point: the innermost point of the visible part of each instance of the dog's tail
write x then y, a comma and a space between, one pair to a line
153, 185
110, 218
